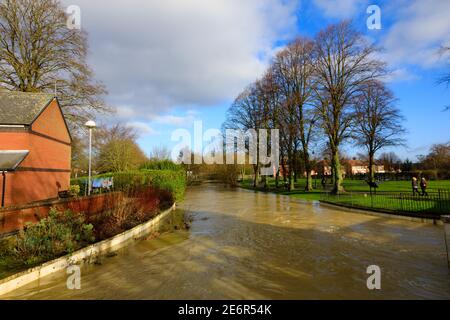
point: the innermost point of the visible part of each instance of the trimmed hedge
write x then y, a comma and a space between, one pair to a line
161, 165
173, 181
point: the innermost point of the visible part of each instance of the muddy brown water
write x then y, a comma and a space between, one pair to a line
245, 245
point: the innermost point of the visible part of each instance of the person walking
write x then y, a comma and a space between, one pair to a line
423, 186
415, 186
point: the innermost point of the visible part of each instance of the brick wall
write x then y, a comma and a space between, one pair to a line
14, 219
46, 170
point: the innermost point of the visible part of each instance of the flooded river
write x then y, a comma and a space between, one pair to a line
245, 245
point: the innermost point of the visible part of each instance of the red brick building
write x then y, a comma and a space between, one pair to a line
34, 122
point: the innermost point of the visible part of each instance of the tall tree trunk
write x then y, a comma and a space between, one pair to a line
264, 180
291, 171
308, 169
283, 166
371, 167
291, 181
256, 175
337, 172
277, 178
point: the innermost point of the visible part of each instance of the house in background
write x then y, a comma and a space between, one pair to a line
354, 167
360, 167
35, 148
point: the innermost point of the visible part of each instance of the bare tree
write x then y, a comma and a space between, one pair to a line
390, 161
293, 69
39, 52
343, 62
267, 94
438, 158
246, 113
378, 122
80, 160
116, 149
160, 153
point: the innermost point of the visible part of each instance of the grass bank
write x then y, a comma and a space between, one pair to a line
392, 196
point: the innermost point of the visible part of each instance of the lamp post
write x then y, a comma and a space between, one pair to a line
90, 125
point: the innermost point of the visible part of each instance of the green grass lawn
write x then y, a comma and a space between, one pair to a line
391, 202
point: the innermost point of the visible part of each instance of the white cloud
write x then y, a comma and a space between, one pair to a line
174, 120
156, 55
422, 27
141, 128
401, 74
340, 9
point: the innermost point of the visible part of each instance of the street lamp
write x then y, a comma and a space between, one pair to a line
90, 125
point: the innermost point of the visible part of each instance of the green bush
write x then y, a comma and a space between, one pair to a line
81, 183
75, 190
59, 234
173, 181
429, 174
168, 180
161, 165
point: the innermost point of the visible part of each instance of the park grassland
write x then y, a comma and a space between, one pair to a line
395, 196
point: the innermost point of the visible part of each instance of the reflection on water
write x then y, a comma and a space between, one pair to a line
245, 245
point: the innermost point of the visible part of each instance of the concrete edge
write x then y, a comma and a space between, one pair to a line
115, 243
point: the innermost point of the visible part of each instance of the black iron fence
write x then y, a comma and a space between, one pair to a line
433, 204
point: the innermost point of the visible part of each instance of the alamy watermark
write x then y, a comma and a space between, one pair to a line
74, 279
374, 20
233, 147
73, 17
374, 280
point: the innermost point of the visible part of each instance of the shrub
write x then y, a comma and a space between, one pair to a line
161, 165
74, 190
173, 181
59, 234
138, 207
81, 183
166, 180
444, 174
430, 174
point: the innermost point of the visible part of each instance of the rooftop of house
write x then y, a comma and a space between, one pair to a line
22, 108
357, 163
360, 163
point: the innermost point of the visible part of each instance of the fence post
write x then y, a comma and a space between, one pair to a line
401, 202
446, 220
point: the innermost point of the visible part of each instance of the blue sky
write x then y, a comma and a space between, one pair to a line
169, 63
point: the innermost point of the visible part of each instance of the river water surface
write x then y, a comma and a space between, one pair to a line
245, 245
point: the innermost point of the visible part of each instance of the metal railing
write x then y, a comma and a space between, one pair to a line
434, 203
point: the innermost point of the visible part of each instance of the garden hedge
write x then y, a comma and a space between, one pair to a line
173, 181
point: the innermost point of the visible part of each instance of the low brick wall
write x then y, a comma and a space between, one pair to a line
14, 219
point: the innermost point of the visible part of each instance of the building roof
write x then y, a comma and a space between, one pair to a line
22, 108
357, 163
